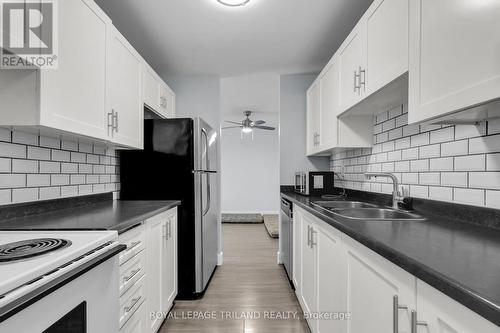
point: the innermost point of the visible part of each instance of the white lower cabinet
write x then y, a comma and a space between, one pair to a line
338, 275
442, 314
148, 273
372, 284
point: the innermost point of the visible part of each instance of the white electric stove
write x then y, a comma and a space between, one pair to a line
50, 280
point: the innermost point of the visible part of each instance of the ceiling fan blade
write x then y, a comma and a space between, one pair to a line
259, 122
232, 122
232, 127
268, 128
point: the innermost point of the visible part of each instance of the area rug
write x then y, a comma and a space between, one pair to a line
272, 225
242, 218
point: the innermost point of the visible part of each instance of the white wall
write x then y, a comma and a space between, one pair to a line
250, 169
293, 129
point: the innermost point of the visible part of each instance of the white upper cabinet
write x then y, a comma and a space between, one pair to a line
454, 56
157, 95
386, 26
124, 87
313, 118
328, 86
352, 65
71, 98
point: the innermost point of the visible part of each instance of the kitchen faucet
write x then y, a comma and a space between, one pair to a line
397, 197
342, 182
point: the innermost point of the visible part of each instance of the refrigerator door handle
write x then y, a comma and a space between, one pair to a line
207, 156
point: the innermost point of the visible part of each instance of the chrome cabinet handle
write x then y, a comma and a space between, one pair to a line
131, 276
133, 244
111, 121
362, 79
132, 304
395, 313
313, 243
309, 236
415, 323
115, 121
357, 77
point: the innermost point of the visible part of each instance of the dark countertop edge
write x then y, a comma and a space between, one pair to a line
120, 227
447, 286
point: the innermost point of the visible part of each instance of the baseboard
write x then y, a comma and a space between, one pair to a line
220, 258
278, 257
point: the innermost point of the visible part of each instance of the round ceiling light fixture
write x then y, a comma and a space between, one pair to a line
233, 3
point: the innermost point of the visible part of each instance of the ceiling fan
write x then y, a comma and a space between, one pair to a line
247, 125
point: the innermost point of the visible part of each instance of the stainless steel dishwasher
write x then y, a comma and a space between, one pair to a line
287, 236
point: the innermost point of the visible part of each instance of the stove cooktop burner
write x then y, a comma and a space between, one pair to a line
31, 248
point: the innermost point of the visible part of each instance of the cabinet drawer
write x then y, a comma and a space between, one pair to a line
136, 322
132, 300
135, 240
132, 271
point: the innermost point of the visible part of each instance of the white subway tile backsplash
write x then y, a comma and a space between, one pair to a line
50, 167
470, 163
454, 179
493, 199
37, 180
487, 144
12, 150
430, 178
441, 164
36, 153
493, 162
420, 140
24, 194
47, 193
397, 111
49, 142
455, 148
443, 135
441, 193
39, 167
487, 180
5, 164
468, 196
12, 180
449, 163
24, 138
24, 166
61, 155
430, 151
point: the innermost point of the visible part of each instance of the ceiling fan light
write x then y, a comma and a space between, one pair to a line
233, 3
247, 130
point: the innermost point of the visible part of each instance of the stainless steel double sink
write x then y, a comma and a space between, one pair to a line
356, 210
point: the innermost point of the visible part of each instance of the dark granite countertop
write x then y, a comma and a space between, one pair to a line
460, 259
107, 215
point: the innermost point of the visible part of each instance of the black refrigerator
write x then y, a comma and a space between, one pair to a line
179, 162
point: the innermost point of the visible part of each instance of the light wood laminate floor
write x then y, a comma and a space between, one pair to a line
249, 283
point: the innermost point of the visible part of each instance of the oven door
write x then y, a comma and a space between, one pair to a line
87, 304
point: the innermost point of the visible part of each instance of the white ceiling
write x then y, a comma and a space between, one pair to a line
202, 37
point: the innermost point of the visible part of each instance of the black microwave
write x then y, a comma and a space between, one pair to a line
315, 183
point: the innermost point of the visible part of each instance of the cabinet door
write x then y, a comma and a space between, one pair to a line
313, 118
444, 315
72, 97
155, 233
167, 101
124, 82
372, 283
386, 28
351, 62
329, 84
308, 278
454, 52
151, 89
331, 280
170, 268
297, 250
